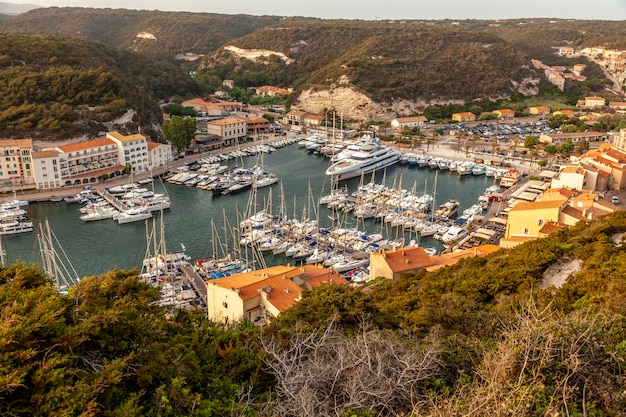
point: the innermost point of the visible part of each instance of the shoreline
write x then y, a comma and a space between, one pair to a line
437, 149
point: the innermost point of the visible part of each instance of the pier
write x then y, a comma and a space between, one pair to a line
119, 206
197, 282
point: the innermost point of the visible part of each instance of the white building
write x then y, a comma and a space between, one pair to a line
132, 150
415, 121
46, 170
159, 154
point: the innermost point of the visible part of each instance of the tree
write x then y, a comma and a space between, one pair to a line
179, 131
557, 120
567, 147
531, 142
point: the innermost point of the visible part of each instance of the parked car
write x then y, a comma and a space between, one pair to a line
615, 200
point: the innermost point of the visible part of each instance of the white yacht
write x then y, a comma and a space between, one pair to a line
132, 215
15, 227
369, 157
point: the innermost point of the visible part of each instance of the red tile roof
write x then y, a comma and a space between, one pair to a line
81, 146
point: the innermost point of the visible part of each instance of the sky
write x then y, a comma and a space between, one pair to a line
371, 9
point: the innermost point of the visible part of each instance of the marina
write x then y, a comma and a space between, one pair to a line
206, 223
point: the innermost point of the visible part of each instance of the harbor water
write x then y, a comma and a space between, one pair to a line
205, 224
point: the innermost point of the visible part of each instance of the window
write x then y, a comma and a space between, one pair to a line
225, 304
526, 231
540, 222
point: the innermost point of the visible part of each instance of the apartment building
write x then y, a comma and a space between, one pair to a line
231, 130
16, 163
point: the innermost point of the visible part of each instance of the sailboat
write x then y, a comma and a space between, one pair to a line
60, 269
161, 264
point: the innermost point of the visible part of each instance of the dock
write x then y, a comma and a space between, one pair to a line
115, 202
196, 281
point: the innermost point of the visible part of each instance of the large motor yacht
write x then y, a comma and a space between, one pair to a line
366, 155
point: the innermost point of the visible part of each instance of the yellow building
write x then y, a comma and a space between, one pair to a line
539, 111
259, 295
16, 170
393, 264
231, 130
504, 113
526, 219
464, 117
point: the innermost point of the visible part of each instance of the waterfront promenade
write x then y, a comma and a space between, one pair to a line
438, 149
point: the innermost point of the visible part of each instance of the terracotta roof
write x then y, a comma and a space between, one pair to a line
551, 227
314, 117
565, 192
194, 102
451, 258
153, 145
43, 154
277, 283
573, 170
85, 145
535, 205
227, 121
407, 259
545, 108
466, 114
22, 143
316, 275
256, 119
573, 212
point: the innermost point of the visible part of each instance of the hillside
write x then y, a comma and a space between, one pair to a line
56, 88
153, 33
477, 338
392, 68
364, 70
386, 63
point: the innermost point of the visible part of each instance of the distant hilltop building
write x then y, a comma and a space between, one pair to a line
414, 121
464, 117
271, 91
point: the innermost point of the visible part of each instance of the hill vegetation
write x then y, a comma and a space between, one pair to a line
476, 338
399, 67
386, 62
55, 88
173, 32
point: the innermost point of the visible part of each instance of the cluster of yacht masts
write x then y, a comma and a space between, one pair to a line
208, 174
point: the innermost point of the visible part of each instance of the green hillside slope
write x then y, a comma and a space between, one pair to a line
55, 88
477, 338
174, 32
